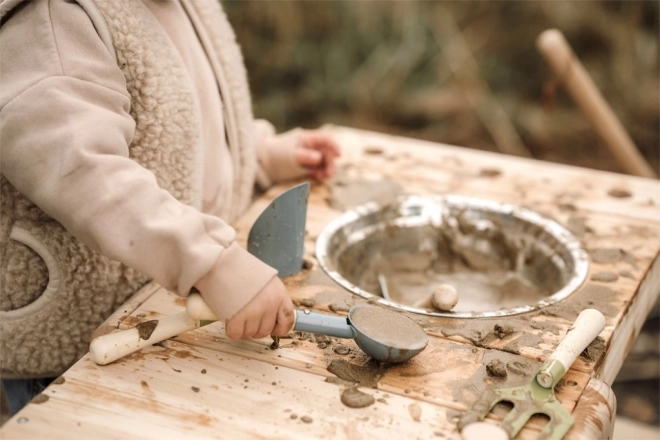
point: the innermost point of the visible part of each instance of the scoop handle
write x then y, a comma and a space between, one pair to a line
324, 324
108, 348
306, 320
589, 323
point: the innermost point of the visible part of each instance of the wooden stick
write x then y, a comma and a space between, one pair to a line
553, 46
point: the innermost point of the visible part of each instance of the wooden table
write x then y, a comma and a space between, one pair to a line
203, 385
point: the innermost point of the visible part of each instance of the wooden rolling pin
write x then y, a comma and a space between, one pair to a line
554, 48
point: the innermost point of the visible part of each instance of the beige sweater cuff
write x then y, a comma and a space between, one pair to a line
235, 279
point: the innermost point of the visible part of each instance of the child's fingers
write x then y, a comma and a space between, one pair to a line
266, 325
235, 328
308, 158
284, 324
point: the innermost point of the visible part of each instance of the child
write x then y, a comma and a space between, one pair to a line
128, 147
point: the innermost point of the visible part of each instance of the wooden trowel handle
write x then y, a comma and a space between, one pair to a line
197, 308
108, 348
589, 323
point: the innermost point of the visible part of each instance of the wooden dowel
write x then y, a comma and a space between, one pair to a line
555, 49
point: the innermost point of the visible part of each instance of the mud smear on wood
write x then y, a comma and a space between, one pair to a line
512, 371
145, 329
366, 375
483, 333
612, 256
347, 193
592, 295
595, 350
353, 376
605, 277
40, 398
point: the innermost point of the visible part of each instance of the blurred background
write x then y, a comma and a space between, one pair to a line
462, 72
467, 73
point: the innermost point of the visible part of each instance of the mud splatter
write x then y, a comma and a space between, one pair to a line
415, 412
519, 368
605, 277
145, 329
367, 375
578, 226
606, 255
489, 172
354, 398
40, 398
596, 350
348, 193
619, 193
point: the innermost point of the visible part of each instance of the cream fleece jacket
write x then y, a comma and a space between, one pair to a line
133, 133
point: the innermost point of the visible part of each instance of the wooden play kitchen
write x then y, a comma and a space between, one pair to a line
200, 384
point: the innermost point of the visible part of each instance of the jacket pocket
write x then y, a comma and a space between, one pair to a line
29, 266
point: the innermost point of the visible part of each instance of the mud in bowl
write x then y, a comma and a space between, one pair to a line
501, 259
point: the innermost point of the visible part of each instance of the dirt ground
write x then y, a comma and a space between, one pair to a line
464, 73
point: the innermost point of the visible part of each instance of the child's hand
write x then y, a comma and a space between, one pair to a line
269, 313
317, 153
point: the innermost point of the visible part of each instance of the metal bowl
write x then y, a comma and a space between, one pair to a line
502, 259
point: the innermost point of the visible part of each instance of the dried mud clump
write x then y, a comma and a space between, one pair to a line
496, 368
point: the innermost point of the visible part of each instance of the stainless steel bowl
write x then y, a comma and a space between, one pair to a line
502, 259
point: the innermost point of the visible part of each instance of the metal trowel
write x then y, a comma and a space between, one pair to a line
278, 236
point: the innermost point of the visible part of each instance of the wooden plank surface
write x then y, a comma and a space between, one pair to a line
203, 385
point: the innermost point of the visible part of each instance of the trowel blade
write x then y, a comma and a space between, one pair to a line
278, 236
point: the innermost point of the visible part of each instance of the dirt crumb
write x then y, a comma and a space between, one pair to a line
354, 398
195, 389
502, 331
341, 349
59, 381
495, 368
306, 419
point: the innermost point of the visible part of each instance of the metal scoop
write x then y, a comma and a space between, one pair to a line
384, 335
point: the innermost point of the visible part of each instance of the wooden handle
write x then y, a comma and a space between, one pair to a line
553, 46
587, 326
197, 308
108, 348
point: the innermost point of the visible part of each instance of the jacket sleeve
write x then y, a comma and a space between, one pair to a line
64, 139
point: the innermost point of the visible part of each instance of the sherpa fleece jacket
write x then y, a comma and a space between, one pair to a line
128, 146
